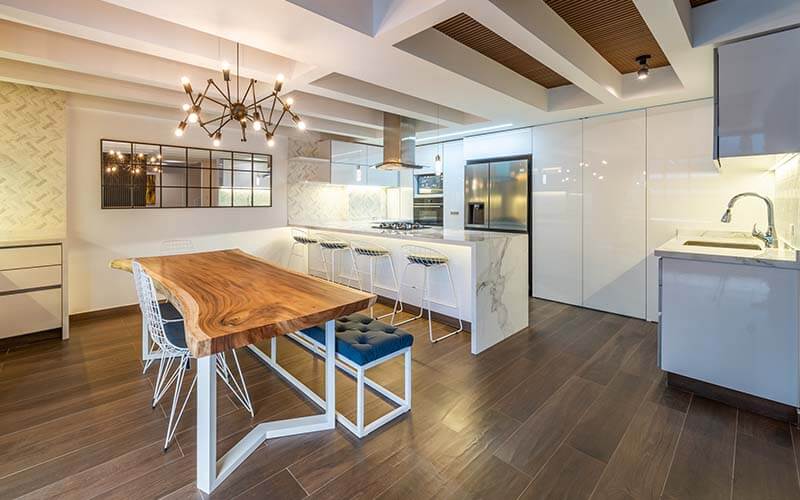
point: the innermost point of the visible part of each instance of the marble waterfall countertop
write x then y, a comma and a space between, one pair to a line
466, 237
770, 257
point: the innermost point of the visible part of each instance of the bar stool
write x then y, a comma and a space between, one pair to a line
375, 254
170, 336
335, 246
428, 258
304, 239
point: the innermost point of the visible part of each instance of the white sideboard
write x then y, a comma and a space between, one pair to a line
32, 288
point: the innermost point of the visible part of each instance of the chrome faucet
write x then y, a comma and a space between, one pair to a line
769, 238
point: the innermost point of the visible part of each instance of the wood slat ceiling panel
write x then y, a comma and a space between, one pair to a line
614, 28
698, 3
466, 30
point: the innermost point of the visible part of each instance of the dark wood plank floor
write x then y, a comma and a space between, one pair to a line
575, 407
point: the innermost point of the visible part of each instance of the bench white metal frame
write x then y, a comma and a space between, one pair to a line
354, 370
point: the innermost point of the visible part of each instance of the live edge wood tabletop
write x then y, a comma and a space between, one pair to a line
229, 298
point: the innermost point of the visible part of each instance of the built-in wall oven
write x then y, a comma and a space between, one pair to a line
429, 211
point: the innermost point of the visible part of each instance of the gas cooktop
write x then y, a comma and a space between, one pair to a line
400, 226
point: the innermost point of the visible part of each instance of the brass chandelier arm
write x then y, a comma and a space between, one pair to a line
247, 91
270, 96
218, 103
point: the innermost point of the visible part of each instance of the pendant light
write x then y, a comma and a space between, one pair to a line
437, 161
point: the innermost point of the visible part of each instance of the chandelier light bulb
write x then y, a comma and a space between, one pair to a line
279, 82
301, 125
114, 168
217, 139
289, 101
187, 87
257, 125
179, 130
270, 140
186, 107
192, 118
226, 66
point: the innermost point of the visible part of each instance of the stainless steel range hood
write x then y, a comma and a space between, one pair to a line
399, 141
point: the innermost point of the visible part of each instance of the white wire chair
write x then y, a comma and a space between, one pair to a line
374, 253
170, 338
428, 258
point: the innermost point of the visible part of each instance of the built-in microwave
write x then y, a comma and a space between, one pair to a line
428, 186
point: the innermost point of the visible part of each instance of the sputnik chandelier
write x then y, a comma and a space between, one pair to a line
247, 108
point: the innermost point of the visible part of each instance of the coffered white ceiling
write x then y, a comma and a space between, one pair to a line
509, 63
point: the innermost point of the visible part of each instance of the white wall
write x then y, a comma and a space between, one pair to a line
96, 236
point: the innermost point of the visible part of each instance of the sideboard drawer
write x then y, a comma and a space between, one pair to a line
32, 256
33, 277
30, 312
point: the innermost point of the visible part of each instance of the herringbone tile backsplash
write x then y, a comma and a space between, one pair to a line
33, 168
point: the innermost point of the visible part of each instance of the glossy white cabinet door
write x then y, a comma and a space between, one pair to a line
348, 152
759, 95
731, 325
557, 212
511, 143
614, 252
453, 181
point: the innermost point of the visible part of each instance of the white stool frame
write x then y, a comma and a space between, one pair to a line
303, 238
409, 249
330, 270
362, 248
354, 370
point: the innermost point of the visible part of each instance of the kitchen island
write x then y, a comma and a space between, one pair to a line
490, 271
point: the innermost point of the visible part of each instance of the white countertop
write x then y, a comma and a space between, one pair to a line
433, 235
769, 257
22, 242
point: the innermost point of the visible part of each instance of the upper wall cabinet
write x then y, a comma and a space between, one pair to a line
348, 153
614, 213
351, 162
758, 94
510, 143
557, 212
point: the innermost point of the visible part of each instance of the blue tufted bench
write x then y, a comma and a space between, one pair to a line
362, 343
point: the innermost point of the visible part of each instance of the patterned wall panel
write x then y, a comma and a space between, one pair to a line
32, 162
787, 202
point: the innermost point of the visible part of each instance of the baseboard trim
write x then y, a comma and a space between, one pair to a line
730, 397
104, 313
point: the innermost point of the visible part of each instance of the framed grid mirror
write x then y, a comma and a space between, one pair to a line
142, 175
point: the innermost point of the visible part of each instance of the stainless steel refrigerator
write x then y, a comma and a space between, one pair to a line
496, 194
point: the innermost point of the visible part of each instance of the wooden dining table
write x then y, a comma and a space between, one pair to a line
230, 299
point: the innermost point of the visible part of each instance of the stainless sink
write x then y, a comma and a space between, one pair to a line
722, 244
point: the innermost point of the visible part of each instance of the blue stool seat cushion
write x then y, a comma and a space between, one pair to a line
362, 339
175, 333
169, 312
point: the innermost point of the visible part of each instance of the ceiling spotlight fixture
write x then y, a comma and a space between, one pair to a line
644, 69
242, 108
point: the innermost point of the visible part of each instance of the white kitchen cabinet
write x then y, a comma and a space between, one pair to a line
759, 96
614, 213
348, 152
32, 295
557, 214
731, 325
453, 184
510, 143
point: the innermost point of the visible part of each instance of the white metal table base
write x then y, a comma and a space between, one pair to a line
210, 471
